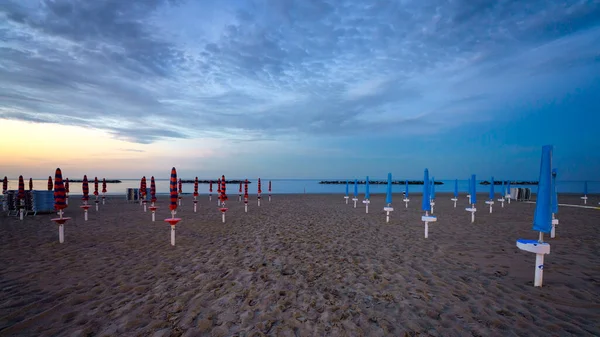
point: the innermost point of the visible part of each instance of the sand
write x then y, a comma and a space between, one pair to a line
301, 265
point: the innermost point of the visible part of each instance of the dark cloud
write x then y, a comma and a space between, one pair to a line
145, 70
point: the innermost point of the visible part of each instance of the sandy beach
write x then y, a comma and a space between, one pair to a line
300, 265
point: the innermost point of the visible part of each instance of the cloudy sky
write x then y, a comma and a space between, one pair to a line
299, 88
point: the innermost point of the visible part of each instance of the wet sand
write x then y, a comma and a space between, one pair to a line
300, 265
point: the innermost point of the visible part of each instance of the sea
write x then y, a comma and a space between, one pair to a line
299, 186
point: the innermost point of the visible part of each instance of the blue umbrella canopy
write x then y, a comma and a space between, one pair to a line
542, 218
367, 194
425, 204
473, 190
355, 188
554, 193
406, 188
585, 190
432, 196
346, 187
388, 195
456, 188
492, 189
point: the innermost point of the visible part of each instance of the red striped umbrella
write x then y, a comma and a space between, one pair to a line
180, 187
67, 185
4, 185
21, 194
152, 189
96, 186
196, 187
31, 184
60, 195
246, 191
85, 188
144, 187
240, 187
223, 189
210, 188
259, 189
50, 184
219, 186
103, 185
173, 188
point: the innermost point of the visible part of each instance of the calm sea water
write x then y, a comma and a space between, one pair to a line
295, 186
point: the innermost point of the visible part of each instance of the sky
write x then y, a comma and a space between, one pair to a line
299, 88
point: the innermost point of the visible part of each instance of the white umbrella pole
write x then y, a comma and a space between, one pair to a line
432, 204
426, 226
355, 200
153, 216
554, 223
22, 209
258, 202
246, 208
269, 197
103, 198
239, 197
61, 233
172, 235
346, 197
454, 203
539, 266
85, 215
223, 216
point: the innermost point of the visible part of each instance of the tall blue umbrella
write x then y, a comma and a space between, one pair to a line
554, 193
492, 189
355, 188
473, 190
456, 188
432, 188
346, 187
367, 194
388, 194
406, 188
425, 203
542, 219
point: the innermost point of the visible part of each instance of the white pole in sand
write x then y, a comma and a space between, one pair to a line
406, 200
61, 229
355, 200
387, 210
346, 197
455, 200
432, 203
97, 202
246, 208
427, 219
539, 264
554, 223
172, 235
490, 202
103, 198
366, 202
585, 198
472, 209
22, 209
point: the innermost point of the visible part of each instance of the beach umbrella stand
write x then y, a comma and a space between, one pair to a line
172, 221
153, 198
455, 198
21, 197
269, 191
223, 198
432, 196
585, 192
406, 199
347, 195
542, 220
195, 194
180, 195
219, 192
96, 192
426, 204
210, 191
472, 198
85, 198
388, 199
491, 199
240, 193
246, 196
60, 203
367, 196
103, 191
355, 199
554, 205
502, 194
259, 191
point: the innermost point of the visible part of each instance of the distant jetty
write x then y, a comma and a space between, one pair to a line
376, 182
92, 180
512, 182
214, 181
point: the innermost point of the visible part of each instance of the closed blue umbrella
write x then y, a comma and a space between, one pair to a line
542, 219
492, 189
425, 203
406, 188
355, 188
367, 194
388, 195
432, 188
456, 188
554, 193
473, 190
